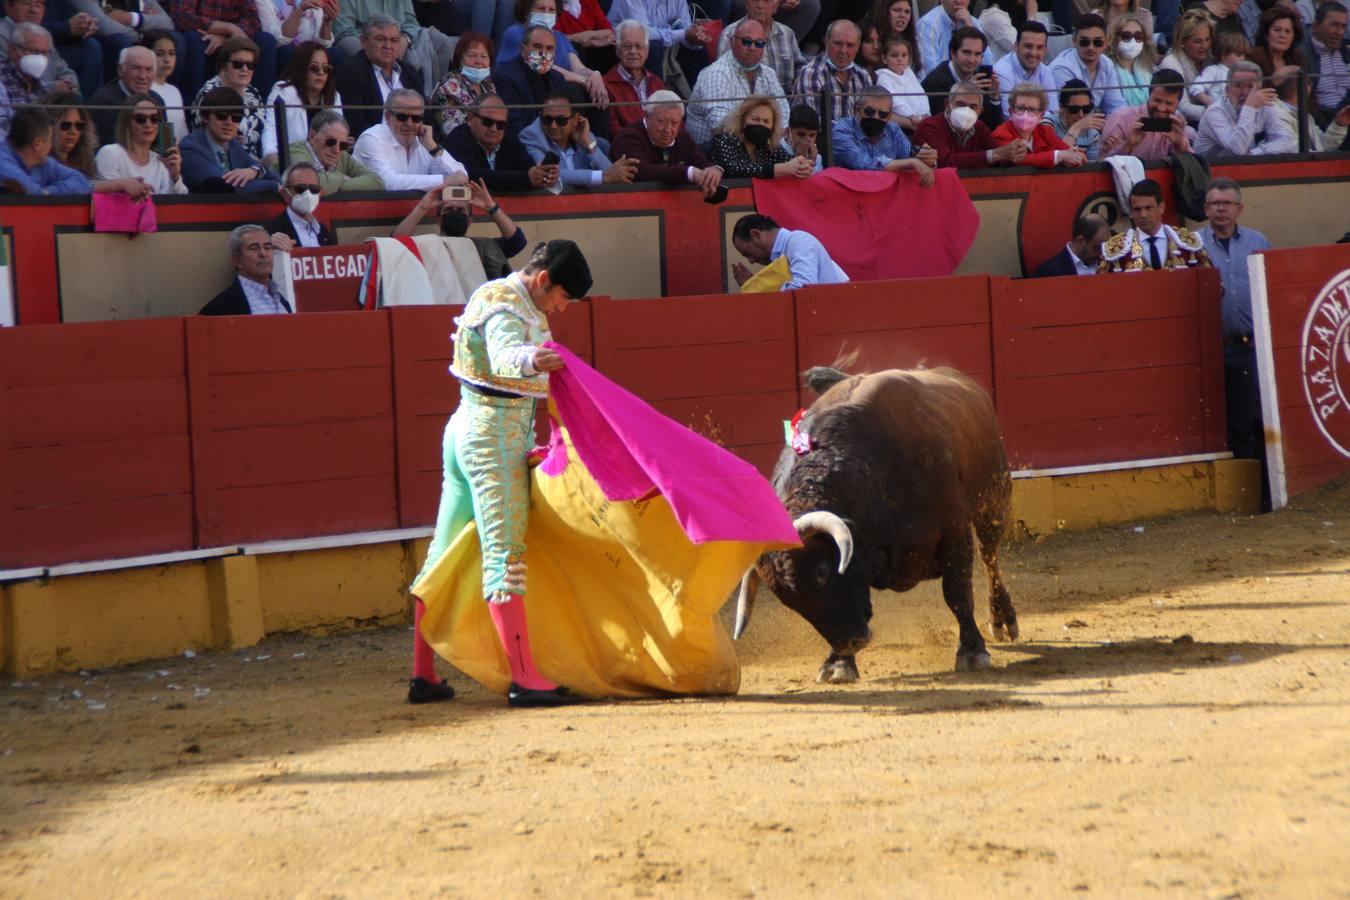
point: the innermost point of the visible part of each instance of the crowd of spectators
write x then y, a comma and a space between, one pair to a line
404, 95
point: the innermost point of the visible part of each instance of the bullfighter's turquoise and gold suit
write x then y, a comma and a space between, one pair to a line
488, 439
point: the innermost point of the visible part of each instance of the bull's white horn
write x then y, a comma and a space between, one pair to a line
745, 602
828, 523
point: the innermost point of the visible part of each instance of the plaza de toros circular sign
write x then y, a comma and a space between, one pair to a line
1326, 361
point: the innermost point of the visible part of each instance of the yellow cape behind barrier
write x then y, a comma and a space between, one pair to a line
620, 602
768, 279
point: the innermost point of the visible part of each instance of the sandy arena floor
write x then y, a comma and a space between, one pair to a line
1174, 722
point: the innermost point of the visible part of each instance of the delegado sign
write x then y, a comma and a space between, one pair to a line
1301, 310
322, 279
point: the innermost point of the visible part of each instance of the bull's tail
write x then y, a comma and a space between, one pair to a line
821, 378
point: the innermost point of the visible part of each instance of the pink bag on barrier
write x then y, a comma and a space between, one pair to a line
116, 212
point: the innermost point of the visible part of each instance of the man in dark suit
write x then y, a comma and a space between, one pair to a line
252, 292
367, 78
499, 159
663, 149
527, 79
965, 53
296, 226
135, 75
1082, 253
214, 161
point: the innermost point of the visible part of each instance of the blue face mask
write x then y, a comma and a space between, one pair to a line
545, 19
474, 76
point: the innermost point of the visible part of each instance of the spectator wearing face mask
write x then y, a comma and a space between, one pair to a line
455, 217
297, 225
467, 82
961, 140
21, 70
527, 79
1044, 148
750, 144
869, 141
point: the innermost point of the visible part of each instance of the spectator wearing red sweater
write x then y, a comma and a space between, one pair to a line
630, 83
584, 23
961, 140
1026, 106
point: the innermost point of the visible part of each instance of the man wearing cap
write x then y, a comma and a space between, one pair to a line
502, 367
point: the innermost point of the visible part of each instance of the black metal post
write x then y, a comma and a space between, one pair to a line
1302, 111
826, 147
283, 139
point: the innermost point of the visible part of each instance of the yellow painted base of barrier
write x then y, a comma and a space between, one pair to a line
116, 617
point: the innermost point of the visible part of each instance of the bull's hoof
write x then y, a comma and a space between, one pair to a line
838, 671
967, 661
1004, 633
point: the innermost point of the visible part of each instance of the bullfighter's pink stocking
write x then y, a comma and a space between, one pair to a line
509, 617
424, 660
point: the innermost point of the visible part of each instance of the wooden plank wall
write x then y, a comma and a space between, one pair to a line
293, 425
724, 365
901, 324
95, 457
1132, 369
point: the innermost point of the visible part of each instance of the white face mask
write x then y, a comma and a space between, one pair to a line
962, 118
33, 64
305, 203
542, 18
1130, 49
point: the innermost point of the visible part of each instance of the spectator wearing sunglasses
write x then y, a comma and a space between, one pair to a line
583, 158
26, 164
1086, 60
236, 61
868, 141
1134, 57
214, 160
297, 227
136, 68
205, 26
329, 147
135, 164
735, 76
308, 88
1078, 124
497, 157
73, 140
402, 149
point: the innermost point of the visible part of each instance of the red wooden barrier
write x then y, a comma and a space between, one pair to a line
1301, 301
94, 451
724, 365
1116, 368
901, 324
425, 394
292, 424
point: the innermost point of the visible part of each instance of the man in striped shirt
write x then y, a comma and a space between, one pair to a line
835, 69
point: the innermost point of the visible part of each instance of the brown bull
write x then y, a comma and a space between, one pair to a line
903, 466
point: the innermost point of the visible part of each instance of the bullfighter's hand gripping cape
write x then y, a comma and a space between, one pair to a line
638, 531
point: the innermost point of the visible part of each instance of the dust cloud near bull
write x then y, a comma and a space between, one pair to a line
893, 477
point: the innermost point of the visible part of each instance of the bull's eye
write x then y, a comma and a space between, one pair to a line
823, 573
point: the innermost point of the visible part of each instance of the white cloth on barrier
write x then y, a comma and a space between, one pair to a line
450, 259
1127, 171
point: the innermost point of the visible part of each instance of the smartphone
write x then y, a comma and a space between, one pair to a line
717, 196
163, 138
454, 192
1158, 124
986, 71
550, 159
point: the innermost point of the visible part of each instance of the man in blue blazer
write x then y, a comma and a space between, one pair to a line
214, 161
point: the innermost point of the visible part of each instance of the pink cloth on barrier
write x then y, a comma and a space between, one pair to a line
631, 450
878, 225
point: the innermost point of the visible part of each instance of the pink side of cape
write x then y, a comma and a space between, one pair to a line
631, 449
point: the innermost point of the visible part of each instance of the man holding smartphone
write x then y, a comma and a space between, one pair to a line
965, 63
1153, 131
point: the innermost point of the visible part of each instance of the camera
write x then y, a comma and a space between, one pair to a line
455, 192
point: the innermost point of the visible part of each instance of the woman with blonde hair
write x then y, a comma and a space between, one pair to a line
1113, 10
134, 157
750, 144
1130, 46
1192, 41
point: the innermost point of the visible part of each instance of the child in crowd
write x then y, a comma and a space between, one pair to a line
1229, 47
166, 58
909, 106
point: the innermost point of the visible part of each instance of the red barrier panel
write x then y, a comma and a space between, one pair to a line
1109, 369
95, 458
1301, 306
724, 365
292, 425
425, 395
902, 324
